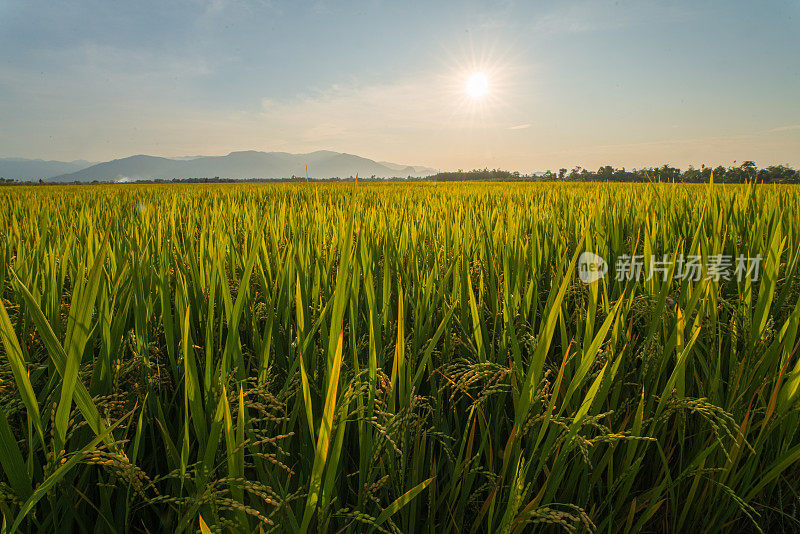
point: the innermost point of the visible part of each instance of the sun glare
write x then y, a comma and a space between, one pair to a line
477, 85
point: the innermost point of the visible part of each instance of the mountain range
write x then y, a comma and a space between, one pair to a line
35, 169
236, 165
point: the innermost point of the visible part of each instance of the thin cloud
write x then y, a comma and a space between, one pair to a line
520, 127
353, 111
593, 15
784, 128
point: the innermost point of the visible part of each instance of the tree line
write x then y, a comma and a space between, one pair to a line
735, 174
746, 172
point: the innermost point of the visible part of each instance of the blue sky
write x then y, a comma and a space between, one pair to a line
570, 83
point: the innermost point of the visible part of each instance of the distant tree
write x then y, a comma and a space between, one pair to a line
779, 174
692, 175
575, 173
476, 175
668, 173
605, 172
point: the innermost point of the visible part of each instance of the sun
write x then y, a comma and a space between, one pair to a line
477, 85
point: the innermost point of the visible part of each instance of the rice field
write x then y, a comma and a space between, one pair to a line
398, 358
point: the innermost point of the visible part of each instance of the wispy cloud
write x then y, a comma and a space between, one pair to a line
520, 127
593, 15
345, 111
784, 128
683, 151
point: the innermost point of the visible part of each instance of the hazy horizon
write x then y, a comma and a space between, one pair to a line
629, 84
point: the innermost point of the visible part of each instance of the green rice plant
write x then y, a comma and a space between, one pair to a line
416, 357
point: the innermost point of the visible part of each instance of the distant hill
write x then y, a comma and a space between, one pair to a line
36, 169
422, 171
241, 165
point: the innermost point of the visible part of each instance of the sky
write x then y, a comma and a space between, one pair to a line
578, 83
